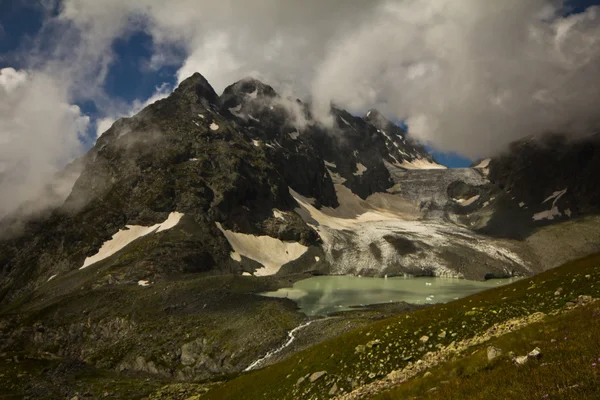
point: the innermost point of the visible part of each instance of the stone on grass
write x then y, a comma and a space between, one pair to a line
317, 375
424, 339
333, 390
493, 353
521, 360
535, 353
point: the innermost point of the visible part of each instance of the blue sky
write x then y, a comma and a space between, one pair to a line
131, 76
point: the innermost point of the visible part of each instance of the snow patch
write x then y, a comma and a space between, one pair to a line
52, 277
421, 164
330, 164
143, 283
201, 116
568, 212
294, 135
361, 169
467, 202
128, 235
556, 195
317, 259
197, 124
193, 159
278, 214
214, 126
246, 274
270, 252
521, 204
346, 122
483, 164
253, 119
552, 212
256, 142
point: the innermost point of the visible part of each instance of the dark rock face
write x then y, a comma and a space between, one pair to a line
400, 145
179, 154
533, 169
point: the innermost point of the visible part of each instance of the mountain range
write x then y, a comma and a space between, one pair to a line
181, 214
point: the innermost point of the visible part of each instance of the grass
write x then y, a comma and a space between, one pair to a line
569, 367
396, 341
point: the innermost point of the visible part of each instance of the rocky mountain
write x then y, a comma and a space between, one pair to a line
174, 206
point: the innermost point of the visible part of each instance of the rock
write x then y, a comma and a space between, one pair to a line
493, 353
535, 353
442, 334
300, 381
360, 349
584, 300
333, 390
570, 304
316, 376
373, 343
424, 339
75, 398
372, 375
558, 291
427, 374
521, 360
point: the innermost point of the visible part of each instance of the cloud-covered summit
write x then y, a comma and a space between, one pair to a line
467, 76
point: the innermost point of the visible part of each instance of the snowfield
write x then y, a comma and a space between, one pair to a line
554, 211
392, 225
421, 164
270, 252
128, 235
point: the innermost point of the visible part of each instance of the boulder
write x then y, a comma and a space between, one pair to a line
316, 376
493, 353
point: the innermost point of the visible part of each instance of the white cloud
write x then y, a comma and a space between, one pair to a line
160, 92
470, 75
39, 134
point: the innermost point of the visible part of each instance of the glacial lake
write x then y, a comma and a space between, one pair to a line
321, 295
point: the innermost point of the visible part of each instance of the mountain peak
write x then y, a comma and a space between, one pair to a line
197, 85
377, 119
250, 86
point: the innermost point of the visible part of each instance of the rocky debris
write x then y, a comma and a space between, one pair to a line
431, 359
424, 339
580, 301
493, 353
300, 381
442, 335
373, 343
316, 376
534, 354
558, 291
360, 349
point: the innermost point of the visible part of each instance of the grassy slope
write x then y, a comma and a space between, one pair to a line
399, 336
570, 347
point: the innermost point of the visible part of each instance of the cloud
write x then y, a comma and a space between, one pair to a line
39, 134
468, 76
160, 92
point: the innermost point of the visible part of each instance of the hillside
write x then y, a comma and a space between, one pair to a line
448, 340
